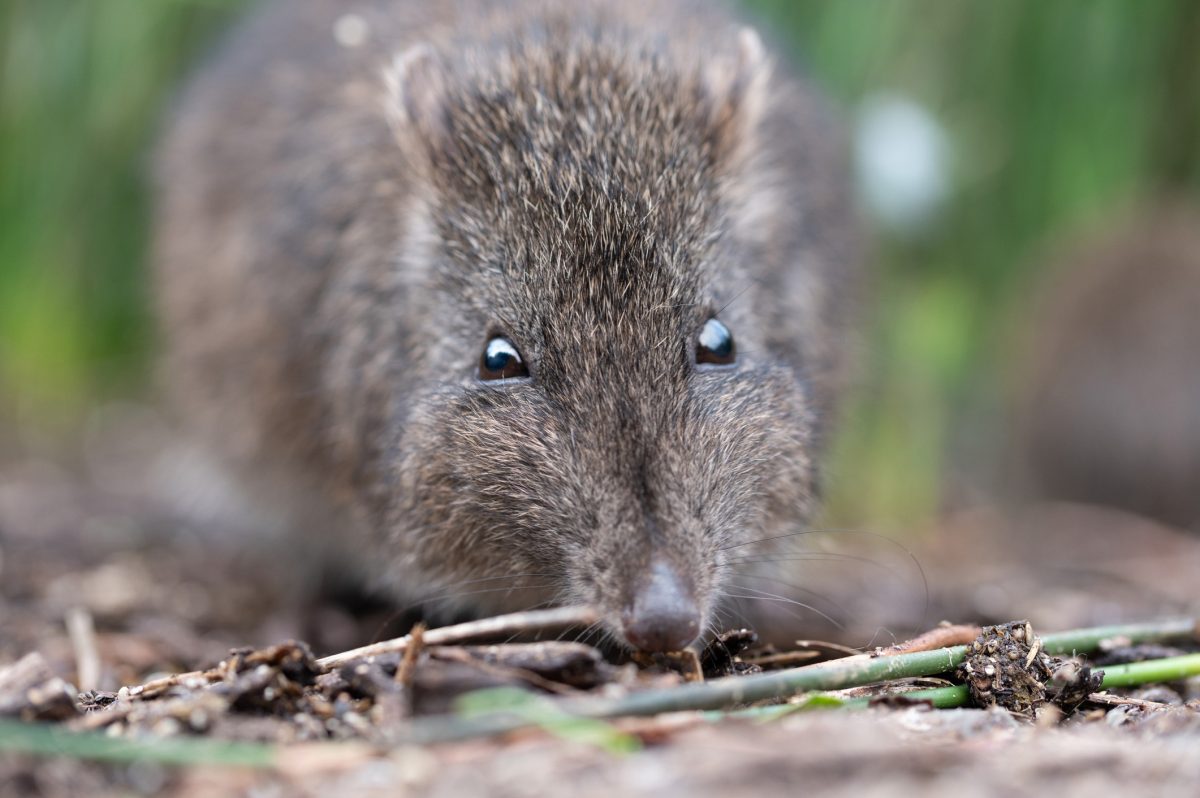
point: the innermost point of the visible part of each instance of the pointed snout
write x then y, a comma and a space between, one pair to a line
662, 614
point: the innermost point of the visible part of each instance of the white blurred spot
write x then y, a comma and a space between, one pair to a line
902, 155
350, 30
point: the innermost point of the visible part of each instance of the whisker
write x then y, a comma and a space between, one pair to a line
721, 621
537, 606
432, 602
765, 540
874, 637
856, 532
765, 596
595, 629
736, 297
450, 589
582, 633
447, 594
805, 590
785, 610
817, 556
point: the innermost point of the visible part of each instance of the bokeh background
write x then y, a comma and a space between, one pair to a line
986, 133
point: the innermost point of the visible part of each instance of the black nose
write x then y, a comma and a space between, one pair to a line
663, 614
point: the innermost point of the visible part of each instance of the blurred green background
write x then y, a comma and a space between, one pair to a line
1054, 115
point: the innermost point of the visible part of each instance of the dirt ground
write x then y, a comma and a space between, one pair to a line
935, 753
88, 561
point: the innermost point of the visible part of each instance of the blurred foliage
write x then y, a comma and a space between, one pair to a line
82, 83
1057, 114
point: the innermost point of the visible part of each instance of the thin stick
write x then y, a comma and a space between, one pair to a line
941, 637
82, 633
515, 623
835, 675
503, 672
408, 664
156, 686
786, 658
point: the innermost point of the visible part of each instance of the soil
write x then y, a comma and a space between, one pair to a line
104, 588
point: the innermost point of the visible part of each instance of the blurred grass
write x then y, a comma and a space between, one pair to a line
1057, 112
81, 85
1059, 115
44, 739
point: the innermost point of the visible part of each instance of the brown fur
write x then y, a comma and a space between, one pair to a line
592, 179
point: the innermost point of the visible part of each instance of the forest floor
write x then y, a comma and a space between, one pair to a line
103, 589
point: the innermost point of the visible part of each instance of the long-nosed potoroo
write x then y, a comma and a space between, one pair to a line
545, 301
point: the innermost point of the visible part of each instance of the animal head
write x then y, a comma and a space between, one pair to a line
614, 340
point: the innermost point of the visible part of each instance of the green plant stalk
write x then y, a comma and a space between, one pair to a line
1085, 640
717, 694
47, 740
1170, 669
720, 694
857, 671
1152, 671
544, 712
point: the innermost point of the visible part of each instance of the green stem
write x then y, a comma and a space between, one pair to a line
1171, 669
716, 694
856, 671
1084, 640
1152, 671
46, 740
836, 675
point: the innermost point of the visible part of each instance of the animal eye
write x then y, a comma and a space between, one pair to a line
501, 361
714, 344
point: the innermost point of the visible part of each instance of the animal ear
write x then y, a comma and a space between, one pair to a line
416, 102
737, 88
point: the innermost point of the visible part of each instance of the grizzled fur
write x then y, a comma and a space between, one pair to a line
344, 227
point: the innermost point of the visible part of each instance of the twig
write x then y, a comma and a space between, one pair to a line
515, 623
82, 633
825, 648
505, 672
1109, 700
835, 675
785, 658
942, 637
156, 686
408, 663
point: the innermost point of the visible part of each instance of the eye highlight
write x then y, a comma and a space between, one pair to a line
714, 344
501, 361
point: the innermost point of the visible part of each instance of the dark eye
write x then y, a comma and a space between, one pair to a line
714, 344
501, 361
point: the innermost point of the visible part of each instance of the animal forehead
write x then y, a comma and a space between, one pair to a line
585, 299
582, 173
589, 167
589, 135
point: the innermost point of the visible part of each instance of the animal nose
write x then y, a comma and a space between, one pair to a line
662, 615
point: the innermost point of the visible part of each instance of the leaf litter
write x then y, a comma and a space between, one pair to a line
133, 627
